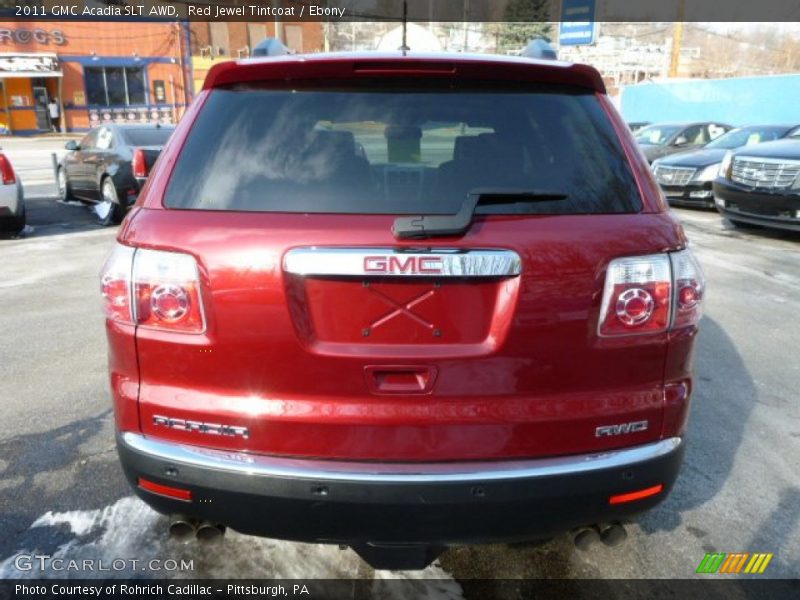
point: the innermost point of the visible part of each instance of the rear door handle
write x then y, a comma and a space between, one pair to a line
400, 379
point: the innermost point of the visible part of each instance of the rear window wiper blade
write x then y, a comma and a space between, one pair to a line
432, 225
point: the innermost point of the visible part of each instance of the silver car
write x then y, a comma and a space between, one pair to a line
12, 201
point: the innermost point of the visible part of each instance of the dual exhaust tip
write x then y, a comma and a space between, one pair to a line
611, 534
184, 529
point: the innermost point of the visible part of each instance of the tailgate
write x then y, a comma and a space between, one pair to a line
336, 350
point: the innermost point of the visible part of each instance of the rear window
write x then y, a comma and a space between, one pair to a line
384, 152
148, 137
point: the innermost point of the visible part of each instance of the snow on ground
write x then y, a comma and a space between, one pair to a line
129, 529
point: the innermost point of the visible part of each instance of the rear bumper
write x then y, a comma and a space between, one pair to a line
430, 503
11, 201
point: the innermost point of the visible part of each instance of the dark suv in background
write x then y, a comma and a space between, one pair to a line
760, 185
686, 177
398, 303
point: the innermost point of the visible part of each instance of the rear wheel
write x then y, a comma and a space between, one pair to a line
64, 190
14, 225
108, 210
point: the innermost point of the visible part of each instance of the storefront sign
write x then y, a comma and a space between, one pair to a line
24, 64
37, 36
139, 114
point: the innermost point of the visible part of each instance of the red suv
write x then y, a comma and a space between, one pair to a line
400, 303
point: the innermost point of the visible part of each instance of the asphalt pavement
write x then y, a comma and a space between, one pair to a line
62, 492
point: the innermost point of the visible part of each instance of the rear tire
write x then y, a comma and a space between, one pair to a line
108, 209
14, 225
64, 189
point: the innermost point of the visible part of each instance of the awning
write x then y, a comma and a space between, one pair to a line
33, 64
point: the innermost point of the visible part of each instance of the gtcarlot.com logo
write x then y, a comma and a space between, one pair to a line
45, 562
734, 563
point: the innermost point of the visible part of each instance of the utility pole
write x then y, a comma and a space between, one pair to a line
677, 39
466, 25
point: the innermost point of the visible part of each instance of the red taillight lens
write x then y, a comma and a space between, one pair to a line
637, 296
139, 163
650, 294
167, 291
115, 280
7, 171
689, 289
153, 289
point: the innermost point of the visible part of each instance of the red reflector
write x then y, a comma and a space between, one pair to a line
165, 490
6, 171
631, 496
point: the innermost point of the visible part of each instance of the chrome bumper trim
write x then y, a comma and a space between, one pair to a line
367, 472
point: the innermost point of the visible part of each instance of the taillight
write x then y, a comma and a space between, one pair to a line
637, 296
161, 290
115, 284
7, 171
139, 163
650, 294
689, 285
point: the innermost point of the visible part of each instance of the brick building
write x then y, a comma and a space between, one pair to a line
119, 70
111, 71
216, 41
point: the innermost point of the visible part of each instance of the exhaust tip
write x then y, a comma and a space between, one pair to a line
182, 529
210, 532
614, 534
586, 538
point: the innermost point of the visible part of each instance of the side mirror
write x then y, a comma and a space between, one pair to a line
72, 145
680, 141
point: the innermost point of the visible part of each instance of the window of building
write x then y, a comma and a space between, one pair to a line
219, 38
256, 33
294, 37
115, 86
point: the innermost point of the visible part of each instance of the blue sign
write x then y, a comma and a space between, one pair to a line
577, 24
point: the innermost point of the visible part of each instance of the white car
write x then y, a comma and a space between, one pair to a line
12, 201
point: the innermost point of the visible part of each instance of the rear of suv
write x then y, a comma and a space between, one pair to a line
400, 303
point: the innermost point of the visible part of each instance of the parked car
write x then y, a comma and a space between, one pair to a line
663, 139
408, 351
686, 177
12, 199
760, 185
635, 126
109, 166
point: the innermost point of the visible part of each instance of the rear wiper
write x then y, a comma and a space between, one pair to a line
430, 225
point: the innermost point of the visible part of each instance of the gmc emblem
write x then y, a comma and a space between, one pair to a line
403, 265
620, 428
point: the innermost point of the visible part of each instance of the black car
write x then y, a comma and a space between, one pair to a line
662, 139
108, 167
635, 126
760, 185
686, 177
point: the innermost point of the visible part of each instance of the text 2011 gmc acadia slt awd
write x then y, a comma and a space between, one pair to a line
400, 303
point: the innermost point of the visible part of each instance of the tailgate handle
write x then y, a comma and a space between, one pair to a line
400, 379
